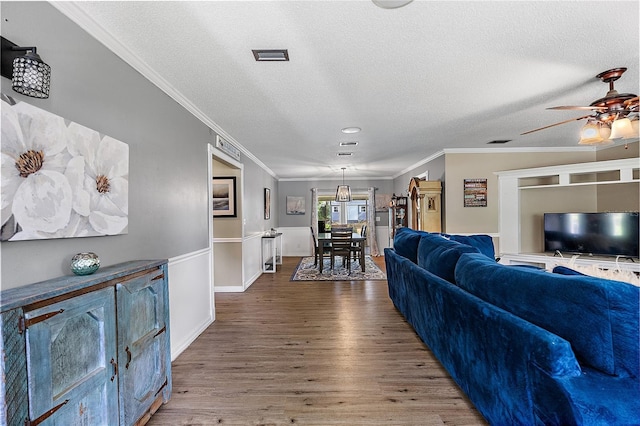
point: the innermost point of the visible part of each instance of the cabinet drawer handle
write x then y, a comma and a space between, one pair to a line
115, 369
31, 321
128, 357
162, 330
46, 415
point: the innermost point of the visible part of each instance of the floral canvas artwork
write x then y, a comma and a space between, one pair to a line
59, 178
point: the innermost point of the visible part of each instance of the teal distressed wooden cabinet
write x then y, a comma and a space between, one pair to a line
91, 350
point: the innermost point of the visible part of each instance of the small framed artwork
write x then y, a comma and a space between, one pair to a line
224, 196
475, 193
382, 202
267, 203
295, 205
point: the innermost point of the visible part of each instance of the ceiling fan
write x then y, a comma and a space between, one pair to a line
614, 116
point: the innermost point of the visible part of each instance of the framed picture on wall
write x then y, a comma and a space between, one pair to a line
267, 203
295, 205
475, 193
224, 196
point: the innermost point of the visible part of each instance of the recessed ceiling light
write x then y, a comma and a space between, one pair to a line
354, 143
271, 55
391, 4
345, 154
351, 130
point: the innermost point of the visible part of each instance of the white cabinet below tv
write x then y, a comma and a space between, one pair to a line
548, 262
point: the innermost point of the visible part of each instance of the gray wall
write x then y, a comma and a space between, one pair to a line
302, 188
168, 196
255, 180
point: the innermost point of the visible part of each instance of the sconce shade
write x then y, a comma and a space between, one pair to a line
621, 129
31, 76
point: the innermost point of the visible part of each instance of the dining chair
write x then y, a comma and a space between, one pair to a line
341, 228
357, 247
341, 247
326, 252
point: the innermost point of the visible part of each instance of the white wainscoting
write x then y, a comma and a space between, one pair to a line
243, 264
382, 238
191, 298
297, 241
228, 259
251, 259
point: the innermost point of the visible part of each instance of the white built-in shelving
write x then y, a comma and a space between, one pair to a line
513, 182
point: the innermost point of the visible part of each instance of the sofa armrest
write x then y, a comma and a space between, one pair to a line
553, 356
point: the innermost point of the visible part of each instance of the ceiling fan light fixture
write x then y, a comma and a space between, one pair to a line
594, 133
605, 131
622, 129
590, 134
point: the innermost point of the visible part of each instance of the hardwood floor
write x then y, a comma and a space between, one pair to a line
311, 353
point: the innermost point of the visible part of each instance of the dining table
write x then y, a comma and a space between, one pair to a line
325, 237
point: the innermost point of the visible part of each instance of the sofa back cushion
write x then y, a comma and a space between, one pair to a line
484, 243
439, 255
405, 243
598, 317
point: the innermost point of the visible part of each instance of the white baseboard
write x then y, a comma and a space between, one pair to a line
229, 289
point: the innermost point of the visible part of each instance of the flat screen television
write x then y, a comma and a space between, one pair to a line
598, 234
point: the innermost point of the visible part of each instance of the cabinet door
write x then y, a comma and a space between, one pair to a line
142, 340
71, 361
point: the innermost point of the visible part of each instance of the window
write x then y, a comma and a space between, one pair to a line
353, 213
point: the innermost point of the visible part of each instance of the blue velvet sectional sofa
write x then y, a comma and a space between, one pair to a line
527, 346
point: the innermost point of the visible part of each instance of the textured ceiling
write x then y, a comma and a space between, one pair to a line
418, 79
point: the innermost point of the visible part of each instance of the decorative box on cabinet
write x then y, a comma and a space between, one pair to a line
86, 349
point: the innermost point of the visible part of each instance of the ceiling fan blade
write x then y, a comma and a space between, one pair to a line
556, 124
631, 101
586, 108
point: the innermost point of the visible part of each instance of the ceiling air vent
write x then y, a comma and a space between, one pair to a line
499, 141
345, 154
348, 143
271, 55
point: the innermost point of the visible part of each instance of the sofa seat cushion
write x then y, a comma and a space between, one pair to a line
439, 255
598, 317
592, 398
405, 243
484, 243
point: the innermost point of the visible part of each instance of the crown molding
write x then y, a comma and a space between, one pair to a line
88, 24
419, 163
505, 150
350, 179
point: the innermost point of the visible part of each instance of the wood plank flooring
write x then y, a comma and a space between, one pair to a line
311, 353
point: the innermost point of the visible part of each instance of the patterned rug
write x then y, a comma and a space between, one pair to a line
307, 272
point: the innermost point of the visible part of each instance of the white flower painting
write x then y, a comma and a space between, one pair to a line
59, 179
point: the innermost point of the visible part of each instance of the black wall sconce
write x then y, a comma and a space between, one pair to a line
29, 74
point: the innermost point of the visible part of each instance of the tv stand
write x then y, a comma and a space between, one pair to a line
548, 261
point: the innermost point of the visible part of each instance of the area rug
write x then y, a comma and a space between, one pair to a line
305, 271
